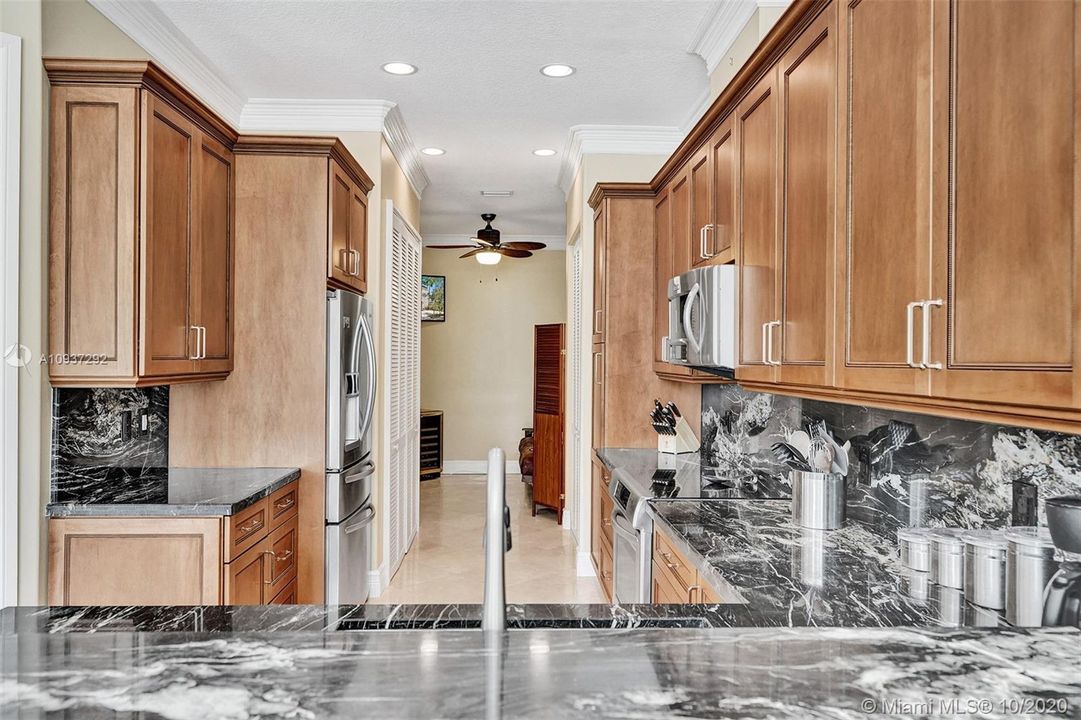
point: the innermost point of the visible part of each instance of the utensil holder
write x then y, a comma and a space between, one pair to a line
818, 499
683, 442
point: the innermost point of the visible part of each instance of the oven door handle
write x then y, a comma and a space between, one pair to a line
623, 526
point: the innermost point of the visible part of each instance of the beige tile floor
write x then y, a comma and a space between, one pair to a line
446, 562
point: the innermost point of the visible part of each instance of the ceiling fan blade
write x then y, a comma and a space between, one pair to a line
524, 245
482, 241
512, 252
474, 251
448, 247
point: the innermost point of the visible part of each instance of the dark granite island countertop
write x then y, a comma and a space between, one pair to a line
645, 674
167, 492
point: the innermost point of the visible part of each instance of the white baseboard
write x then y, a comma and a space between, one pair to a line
585, 565
377, 581
476, 467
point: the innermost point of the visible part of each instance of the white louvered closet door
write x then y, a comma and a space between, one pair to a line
402, 339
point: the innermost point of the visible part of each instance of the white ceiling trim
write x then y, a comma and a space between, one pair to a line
144, 23
331, 116
554, 242
720, 29
614, 140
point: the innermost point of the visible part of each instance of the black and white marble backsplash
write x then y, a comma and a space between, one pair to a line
920, 469
108, 434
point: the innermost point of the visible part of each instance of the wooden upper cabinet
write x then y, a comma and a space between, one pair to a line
600, 275
700, 192
807, 84
141, 229
1006, 264
757, 135
680, 197
662, 263
347, 229
598, 395
885, 193
212, 255
721, 236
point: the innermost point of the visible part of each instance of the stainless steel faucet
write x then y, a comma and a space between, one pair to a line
497, 542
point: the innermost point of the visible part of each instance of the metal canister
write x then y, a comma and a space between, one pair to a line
985, 568
1030, 564
818, 499
915, 545
947, 558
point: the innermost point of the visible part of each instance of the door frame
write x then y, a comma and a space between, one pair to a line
10, 128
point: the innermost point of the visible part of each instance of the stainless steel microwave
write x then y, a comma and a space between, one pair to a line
702, 319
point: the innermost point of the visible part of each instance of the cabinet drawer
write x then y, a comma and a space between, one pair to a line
246, 578
245, 529
288, 595
281, 556
666, 587
666, 555
283, 504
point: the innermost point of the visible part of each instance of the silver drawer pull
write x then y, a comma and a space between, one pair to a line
362, 522
357, 476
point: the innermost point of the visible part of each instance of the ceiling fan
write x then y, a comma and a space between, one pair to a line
487, 248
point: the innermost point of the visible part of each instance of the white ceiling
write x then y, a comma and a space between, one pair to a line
479, 93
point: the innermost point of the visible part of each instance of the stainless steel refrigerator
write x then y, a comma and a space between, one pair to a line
351, 384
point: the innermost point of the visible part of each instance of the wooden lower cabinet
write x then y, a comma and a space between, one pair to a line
176, 560
677, 581
601, 526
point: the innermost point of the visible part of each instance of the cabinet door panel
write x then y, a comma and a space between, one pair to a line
358, 237
169, 149
1007, 265
721, 237
700, 176
339, 260
213, 257
756, 118
680, 198
808, 82
247, 576
600, 237
598, 395
92, 251
884, 261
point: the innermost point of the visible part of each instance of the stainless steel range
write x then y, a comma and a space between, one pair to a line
632, 524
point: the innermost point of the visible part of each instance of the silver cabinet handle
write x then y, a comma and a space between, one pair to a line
355, 264
598, 314
597, 377
769, 344
194, 354
707, 248
702, 243
202, 332
927, 305
200, 342
910, 351
765, 343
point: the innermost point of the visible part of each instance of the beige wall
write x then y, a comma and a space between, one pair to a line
753, 32
477, 367
74, 28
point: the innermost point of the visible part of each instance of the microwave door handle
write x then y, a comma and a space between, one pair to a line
370, 343
687, 330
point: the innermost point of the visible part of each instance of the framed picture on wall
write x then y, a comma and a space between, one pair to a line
434, 301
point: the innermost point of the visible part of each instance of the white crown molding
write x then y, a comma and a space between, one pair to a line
148, 26
614, 140
720, 29
405, 150
308, 115
554, 242
699, 109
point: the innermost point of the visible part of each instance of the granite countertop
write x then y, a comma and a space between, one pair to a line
206, 492
540, 673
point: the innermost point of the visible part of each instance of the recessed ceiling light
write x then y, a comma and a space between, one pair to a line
399, 68
497, 193
544, 152
433, 151
557, 70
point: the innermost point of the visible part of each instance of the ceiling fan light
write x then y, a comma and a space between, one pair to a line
488, 258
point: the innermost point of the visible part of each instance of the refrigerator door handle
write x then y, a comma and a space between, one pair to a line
370, 342
369, 515
369, 468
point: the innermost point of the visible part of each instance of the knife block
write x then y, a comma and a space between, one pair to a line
684, 441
